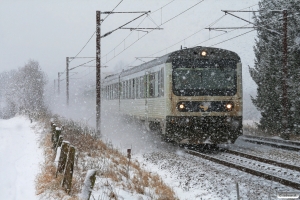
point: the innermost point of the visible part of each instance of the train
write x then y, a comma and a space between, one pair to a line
192, 95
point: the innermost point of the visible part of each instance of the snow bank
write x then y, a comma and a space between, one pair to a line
20, 157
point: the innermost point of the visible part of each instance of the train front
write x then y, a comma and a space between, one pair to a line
205, 93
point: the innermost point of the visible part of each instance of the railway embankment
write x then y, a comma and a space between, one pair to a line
79, 165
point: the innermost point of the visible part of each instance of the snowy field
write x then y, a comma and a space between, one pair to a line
20, 156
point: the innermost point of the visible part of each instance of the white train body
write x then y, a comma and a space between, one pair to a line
192, 98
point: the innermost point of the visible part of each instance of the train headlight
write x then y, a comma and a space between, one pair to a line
229, 106
203, 53
181, 106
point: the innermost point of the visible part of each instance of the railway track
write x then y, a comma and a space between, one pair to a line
285, 174
283, 144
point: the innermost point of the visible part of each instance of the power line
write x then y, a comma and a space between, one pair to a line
188, 36
213, 23
136, 27
81, 65
158, 26
232, 38
111, 12
87, 73
94, 33
163, 6
123, 39
218, 36
182, 12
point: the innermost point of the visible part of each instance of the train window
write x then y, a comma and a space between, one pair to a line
109, 87
117, 90
138, 88
161, 88
114, 91
151, 85
142, 86
129, 89
123, 90
107, 92
126, 89
111, 91
120, 90
136, 82
133, 90
156, 85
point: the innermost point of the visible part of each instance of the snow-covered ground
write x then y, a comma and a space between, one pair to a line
196, 178
20, 156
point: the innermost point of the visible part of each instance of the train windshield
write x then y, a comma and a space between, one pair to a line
205, 79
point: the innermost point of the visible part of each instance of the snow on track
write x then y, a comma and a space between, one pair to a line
20, 156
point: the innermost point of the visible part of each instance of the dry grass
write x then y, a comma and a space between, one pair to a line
46, 180
92, 153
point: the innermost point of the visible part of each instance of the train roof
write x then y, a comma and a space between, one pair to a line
187, 53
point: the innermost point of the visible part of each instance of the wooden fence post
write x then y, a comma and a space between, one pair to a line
53, 126
68, 172
59, 142
88, 184
56, 136
63, 157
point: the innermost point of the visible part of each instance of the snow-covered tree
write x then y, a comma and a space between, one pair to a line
24, 89
268, 69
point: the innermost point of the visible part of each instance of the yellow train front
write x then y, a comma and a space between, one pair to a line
192, 95
205, 96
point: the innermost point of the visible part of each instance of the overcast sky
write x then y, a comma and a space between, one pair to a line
50, 31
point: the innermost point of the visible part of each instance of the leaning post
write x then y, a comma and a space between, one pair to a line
63, 157
88, 184
69, 168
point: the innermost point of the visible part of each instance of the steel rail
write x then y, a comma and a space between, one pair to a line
273, 140
272, 144
263, 160
246, 169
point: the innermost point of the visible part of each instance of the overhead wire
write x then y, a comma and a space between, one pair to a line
94, 32
76, 73
81, 65
163, 6
211, 24
219, 35
135, 27
153, 29
231, 38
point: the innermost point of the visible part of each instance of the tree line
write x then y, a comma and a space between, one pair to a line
268, 70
